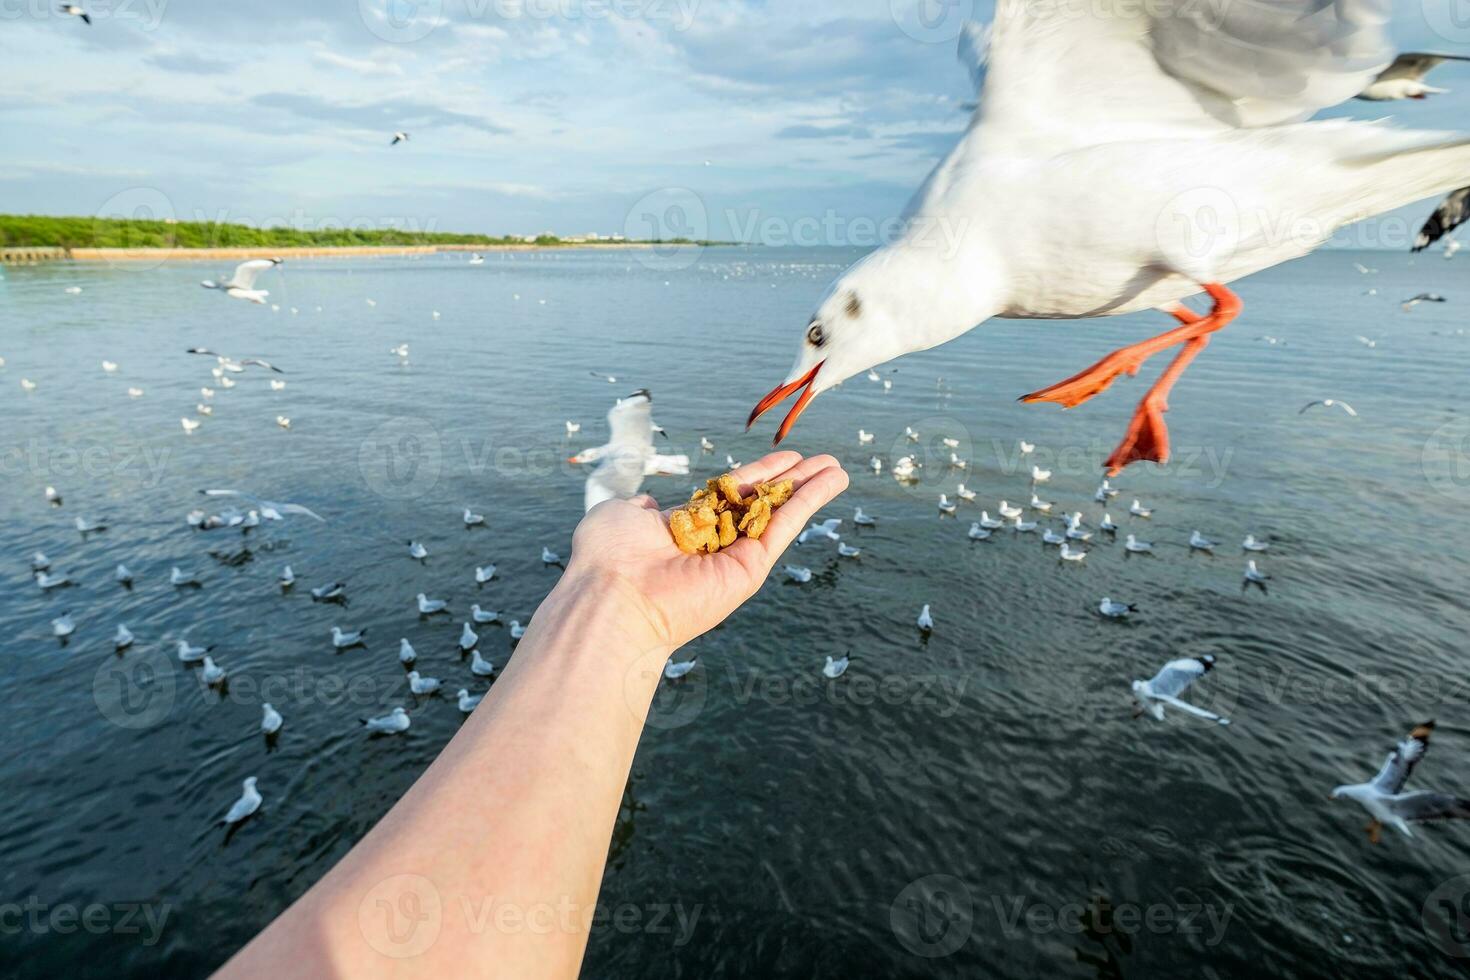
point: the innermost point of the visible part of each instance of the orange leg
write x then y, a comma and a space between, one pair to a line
1096, 379
1147, 437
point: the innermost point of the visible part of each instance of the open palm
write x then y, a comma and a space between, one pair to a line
685, 595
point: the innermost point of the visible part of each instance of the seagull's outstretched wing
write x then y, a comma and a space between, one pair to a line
247, 272
282, 508
1415, 65
1177, 675
1401, 762
630, 444
1075, 74
1423, 807
1451, 214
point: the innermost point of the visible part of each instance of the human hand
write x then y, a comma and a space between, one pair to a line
626, 544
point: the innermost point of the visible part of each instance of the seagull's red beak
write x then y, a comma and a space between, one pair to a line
779, 395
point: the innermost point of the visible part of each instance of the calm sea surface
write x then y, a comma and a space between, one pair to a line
982, 802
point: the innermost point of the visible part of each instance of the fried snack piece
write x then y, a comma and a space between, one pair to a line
717, 515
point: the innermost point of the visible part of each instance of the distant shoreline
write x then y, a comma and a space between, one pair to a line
33, 255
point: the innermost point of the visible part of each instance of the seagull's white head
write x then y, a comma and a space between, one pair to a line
250, 782
899, 299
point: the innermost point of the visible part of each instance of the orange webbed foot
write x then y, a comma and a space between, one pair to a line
1147, 439
1088, 384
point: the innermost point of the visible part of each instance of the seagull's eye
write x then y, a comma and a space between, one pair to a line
815, 335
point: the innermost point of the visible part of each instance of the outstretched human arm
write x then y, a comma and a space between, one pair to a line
491, 863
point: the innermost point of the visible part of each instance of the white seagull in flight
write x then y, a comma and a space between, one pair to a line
1384, 797
1166, 686
241, 284
628, 456
1122, 160
1404, 79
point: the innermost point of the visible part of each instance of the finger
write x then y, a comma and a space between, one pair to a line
644, 501
806, 469
762, 470
815, 491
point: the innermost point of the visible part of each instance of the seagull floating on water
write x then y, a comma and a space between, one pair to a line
1116, 610
63, 626
1138, 547
485, 574
287, 579
472, 519
1068, 553
549, 557
48, 582
978, 533
85, 526
211, 673
422, 685
1254, 576
834, 669
1198, 542
393, 723
946, 506
481, 667
328, 593
180, 579
1251, 544
123, 638
469, 702
1170, 682
1156, 105
189, 654
468, 639
925, 621
246, 805
270, 719
673, 670
1384, 797
483, 615
797, 573
847, 551
428, 607
516, 629
406, 653
417, 551
863, 520
343, 641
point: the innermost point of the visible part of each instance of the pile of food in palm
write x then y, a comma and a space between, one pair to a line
717, 516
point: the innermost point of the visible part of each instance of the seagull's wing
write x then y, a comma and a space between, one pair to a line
260, 363
666, 466
247, 272
1421, 807
1076, 74
1192, 709
1176, 676
1451, 214
294, 509
1349, 409
1401, 762
1309, 406
618, 477
1416, 64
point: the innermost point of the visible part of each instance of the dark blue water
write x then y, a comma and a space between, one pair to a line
982, 802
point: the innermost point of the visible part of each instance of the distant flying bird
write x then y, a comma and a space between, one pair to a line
1414, 301
72, 10
1450, 214
241, 285
399, 138
1404, 79
1384, 797
1329, 403
1174, 119
269, 509
234, 365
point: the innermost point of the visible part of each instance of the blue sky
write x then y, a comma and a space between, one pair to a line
739, 117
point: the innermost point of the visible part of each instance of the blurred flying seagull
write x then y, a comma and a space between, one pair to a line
1404, 79
1384, 797
824, 529
1329, 403
399, 138
72, 10
1166, 686
1152, 103
1450, 214
1414, 301
233, 365
269, 509
628, 456
241, 284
